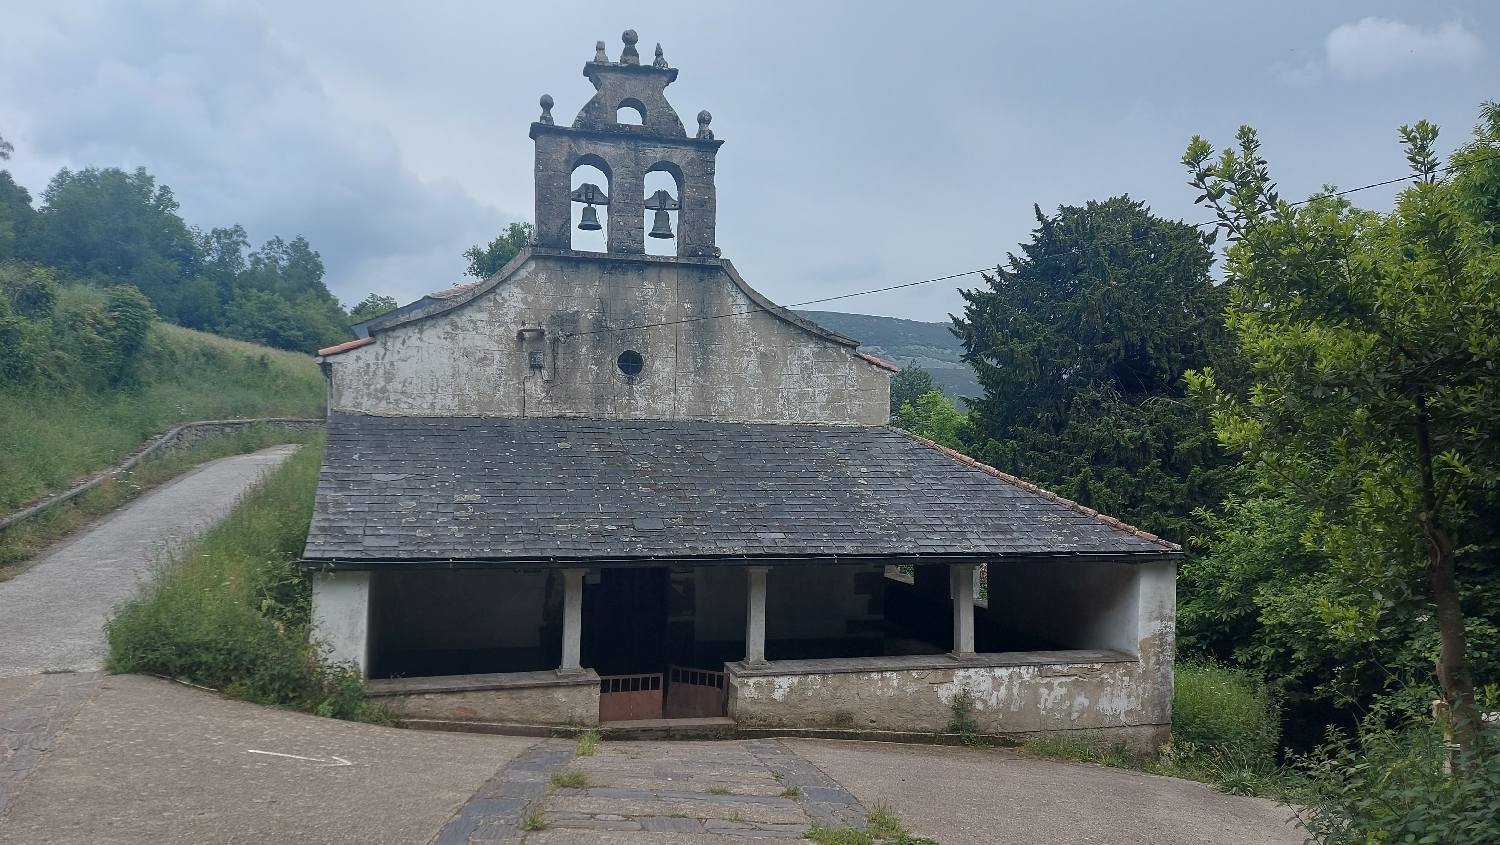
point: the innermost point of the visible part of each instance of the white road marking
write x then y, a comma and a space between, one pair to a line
337, 761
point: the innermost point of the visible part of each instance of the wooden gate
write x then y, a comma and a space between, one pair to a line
624, 698
695, 693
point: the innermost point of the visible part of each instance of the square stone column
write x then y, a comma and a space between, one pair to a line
755, 616
572, 639
961, 579
341, 617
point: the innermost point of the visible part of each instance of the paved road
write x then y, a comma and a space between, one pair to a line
150, 761
52, 615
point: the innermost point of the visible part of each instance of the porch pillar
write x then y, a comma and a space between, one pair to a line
961, 579
755, 616
341, 617
572, 640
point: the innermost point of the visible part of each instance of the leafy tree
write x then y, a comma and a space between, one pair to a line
1374, 342
934, 417
907, 386
1080, 349
113, 228
16, 217
5, 149
279, 297
371, 307
486, 261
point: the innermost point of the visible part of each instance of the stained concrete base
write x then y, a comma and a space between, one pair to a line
520, 698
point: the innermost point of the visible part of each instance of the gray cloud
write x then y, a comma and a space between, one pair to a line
208, 99
867, 144
1375, 47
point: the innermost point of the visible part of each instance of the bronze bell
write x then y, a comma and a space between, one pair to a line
590, 221
662, 228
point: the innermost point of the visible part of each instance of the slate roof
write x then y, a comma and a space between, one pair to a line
465, 490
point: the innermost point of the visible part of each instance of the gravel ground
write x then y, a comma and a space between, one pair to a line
52, 615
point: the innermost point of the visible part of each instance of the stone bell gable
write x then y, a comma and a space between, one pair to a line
625, 153
560, 332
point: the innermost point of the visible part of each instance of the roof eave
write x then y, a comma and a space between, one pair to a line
344, 564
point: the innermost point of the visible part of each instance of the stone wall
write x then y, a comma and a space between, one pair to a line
1103, 696
516, 698
471, 358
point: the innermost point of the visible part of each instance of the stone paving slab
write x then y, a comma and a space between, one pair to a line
703, 792
34, 722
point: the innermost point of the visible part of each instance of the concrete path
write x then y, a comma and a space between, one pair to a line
151, 761
52, 615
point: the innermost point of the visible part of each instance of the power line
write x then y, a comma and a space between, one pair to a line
951, 276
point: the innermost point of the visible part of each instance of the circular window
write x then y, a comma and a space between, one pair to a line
630, 362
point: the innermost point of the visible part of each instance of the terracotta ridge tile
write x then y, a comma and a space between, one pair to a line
346, 346
1045, 494
879, 363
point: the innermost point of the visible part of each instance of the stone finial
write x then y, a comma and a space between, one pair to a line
599, 54
629, 56
546, 117
661, 60
704, 118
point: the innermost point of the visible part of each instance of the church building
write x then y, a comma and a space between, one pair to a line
605, 486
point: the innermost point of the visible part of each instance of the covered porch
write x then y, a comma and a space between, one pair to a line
776, 644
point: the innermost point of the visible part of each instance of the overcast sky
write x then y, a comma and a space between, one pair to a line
866, 144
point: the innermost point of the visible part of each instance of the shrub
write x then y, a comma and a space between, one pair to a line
963, 722
1225, 723
1391, 786
232, 611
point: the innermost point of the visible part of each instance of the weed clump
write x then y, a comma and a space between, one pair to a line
963, 722
588, 743
881, 825
569, 779
232, 611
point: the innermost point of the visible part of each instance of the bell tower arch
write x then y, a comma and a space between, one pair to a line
626, 152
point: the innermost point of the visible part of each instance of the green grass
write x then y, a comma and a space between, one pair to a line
1225, 731
231, 611
718, 790
569, 779
588, 743
534, 820
49, 438
24, 540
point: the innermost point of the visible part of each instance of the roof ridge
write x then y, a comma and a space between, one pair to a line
1044, 493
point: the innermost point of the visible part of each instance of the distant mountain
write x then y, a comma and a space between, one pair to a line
902, 342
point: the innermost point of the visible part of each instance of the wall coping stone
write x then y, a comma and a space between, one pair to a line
468, 683
910, 662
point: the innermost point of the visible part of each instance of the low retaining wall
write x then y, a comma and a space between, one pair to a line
518, 698
179, 438
1102, 697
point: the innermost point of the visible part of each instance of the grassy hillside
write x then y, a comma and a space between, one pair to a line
51, 436
901, 342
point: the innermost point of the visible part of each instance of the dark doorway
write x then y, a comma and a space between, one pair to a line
625, 621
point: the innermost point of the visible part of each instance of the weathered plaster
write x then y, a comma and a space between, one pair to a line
341, 615
749, 366
526, 698
1124, 692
